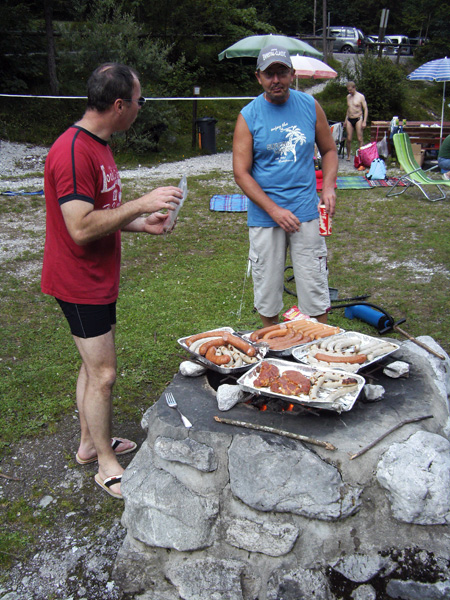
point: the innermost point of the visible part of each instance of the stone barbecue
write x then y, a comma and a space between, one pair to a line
221, 512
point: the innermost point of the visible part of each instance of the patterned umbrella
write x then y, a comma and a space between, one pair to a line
434, 70
306, 67
251, 45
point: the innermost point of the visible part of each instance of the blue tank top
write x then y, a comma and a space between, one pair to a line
283, 155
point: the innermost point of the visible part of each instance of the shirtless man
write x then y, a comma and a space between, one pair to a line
356, 117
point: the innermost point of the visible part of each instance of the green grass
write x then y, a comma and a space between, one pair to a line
397, 250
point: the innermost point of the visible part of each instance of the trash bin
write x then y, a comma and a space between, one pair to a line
207, 134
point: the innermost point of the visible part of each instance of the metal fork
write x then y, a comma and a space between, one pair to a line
173, 404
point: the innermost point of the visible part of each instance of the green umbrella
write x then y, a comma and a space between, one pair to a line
250, 46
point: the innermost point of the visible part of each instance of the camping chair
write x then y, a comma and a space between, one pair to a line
339, 135
415, 175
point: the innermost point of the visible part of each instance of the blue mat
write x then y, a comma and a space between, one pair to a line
352, 183
19, 193
239, 203
229, 203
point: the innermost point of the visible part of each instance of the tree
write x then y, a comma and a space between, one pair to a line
51, 53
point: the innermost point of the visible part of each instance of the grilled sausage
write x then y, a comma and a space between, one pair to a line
336, 358
216, 359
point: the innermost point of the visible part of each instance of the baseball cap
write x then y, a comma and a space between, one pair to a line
271, 55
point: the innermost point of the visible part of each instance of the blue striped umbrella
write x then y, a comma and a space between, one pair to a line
434, 70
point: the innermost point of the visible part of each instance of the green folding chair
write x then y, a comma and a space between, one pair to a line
414, 174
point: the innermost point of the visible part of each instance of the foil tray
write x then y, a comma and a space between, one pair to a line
288, 351
301, 353
260, 353
342, 404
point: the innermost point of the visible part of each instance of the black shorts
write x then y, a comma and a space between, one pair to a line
89, 320
353, 121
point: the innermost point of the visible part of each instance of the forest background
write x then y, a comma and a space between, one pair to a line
51, 47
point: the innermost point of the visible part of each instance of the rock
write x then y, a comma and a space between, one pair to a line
297, 584
163, 512
45, 501
208, 579
373, 393
364, 592
272, 539
187, 451
414, 590
228, 396
396, 369
416, 475
287, 472
188, 368
361, 567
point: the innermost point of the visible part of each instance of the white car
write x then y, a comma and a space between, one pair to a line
388, 44
402, 43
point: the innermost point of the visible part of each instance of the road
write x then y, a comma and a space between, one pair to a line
345, 58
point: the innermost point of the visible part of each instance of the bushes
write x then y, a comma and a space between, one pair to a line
383, 84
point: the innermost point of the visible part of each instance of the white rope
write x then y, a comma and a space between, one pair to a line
147, 99
246, 276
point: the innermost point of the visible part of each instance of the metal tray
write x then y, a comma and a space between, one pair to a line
301, 353
260, 353
345, 403
288, 351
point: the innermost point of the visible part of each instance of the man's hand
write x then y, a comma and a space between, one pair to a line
285, 219
160, 198
154, 224
328, 197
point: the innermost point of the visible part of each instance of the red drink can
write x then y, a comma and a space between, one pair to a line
324, 221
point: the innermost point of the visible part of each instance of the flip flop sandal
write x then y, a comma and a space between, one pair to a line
115, 442
107, 483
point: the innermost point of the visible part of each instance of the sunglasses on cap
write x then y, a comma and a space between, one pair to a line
140, 101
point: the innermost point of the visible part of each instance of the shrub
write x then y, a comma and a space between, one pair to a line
383, 84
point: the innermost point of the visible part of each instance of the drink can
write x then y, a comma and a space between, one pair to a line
324, 221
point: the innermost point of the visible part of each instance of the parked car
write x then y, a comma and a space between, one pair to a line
348, 40
402, 43
373, 44
418, 41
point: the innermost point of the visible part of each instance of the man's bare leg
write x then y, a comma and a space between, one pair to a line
348, 142
269, 321
97, 377
322, 318
359, 133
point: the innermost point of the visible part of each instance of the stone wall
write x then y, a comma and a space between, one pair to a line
223, 513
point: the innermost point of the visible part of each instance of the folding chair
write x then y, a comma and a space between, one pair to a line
414, 174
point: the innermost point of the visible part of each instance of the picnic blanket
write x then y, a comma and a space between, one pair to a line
389, 182
21, 193
229, 203
239, 203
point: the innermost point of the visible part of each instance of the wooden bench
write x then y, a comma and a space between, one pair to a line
425, 140
428, 137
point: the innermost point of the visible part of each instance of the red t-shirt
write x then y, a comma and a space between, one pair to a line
80, 166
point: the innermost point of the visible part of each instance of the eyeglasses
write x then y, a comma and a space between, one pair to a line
140, 101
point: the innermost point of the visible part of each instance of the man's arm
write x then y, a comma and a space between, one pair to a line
365, 111
242, 166
153, 224
328, 151
86, 225
348, 108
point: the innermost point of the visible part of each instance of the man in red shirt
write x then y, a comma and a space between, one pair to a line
81, 267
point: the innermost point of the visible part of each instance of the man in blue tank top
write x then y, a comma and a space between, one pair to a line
273, 163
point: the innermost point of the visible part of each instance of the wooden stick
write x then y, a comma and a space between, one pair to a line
418, 342
295, 436
9, 477
372, 444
